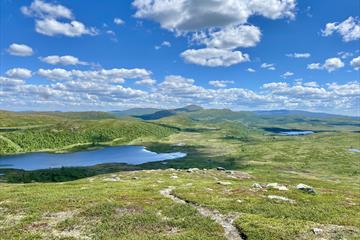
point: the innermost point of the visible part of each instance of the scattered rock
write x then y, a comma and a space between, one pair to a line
135, 178
209, 189
224, 183
241, 175
306, 188
174, 177
112, 179
239, 201
220, 169
256, 185
277, 186
159, 181
281, 198
317, 230
190, 170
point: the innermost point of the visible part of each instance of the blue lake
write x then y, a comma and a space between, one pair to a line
118, 154
295, 133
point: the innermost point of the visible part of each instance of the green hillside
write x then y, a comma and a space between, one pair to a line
253, 195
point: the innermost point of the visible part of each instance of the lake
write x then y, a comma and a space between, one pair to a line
117, 154
296, 133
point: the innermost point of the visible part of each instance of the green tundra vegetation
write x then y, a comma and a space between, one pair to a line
257, 190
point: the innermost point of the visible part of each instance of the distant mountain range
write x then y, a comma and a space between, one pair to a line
155, 113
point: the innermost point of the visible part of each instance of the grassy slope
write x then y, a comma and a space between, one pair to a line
70, 133
105, 207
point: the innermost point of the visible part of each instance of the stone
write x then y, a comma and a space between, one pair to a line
256, 185
174, 177
317, 231
305, 188
277, 186
281, 198
190, 170
220, 169
224, 183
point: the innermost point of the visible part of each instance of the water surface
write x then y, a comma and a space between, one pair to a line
296, 133
118, 154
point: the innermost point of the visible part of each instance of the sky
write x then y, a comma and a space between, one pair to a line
240, 54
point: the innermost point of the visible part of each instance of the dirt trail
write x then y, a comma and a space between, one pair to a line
231, 232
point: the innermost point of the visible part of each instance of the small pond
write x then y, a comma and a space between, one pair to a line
119, 154
295, 133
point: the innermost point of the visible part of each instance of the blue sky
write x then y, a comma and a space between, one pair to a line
239, 54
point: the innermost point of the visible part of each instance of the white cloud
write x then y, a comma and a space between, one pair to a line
52, 27
18, 73
230, 37
314, 66
62, 60
8, 82
20, 50
41, 9
149, 82
187, 15
115, 75
213, 57
349, 29
220, 83
299, 55
52, 19
251, 70
287, 74
345, 55
355, 63
331, 64
54, 74
163, 44
119, 21
216, 24
269, 66
311, 84
82, 91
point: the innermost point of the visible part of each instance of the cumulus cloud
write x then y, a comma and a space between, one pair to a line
331, 64
220, 83
345, 55
149, 82
174, 91
314, 66
216, 24
311, 84
230, 37
115, 75
62, 60
287, 74
20, 50
269, 66
349, 29
299, 55
119, 21
213, 57
18, 73
355, 63
187, 15
55, 19
42, 9
163, 44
